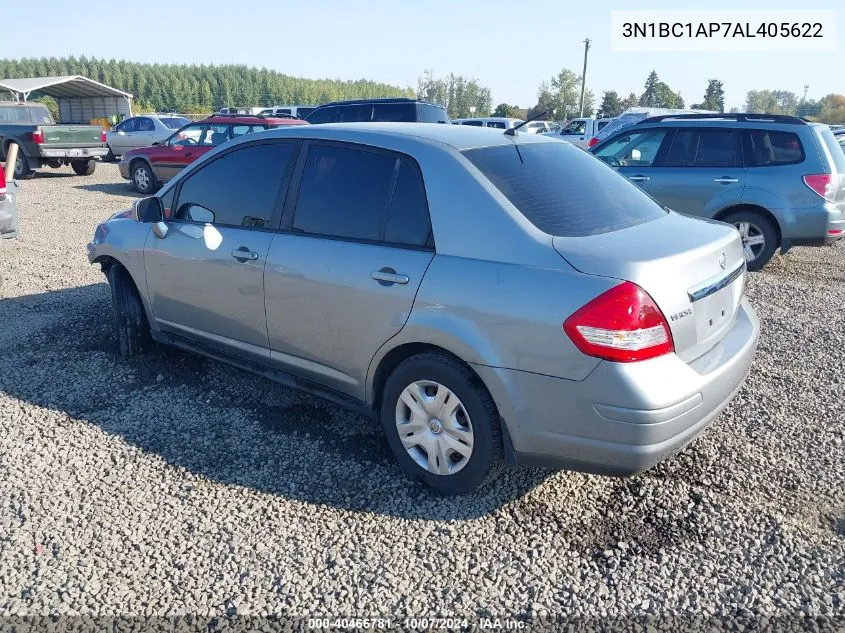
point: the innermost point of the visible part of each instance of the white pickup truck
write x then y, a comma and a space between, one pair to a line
580, 131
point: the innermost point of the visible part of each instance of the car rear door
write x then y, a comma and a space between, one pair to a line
702, 172
145, 129
636, 154
343, 272
206, 277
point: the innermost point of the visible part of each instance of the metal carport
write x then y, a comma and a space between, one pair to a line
80, 99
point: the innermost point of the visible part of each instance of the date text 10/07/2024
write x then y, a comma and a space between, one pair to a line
413, 623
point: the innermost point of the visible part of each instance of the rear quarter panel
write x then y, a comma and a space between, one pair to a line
500, 315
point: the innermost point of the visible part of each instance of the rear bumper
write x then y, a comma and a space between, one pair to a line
124, 169
73, 153
8, 218
812, 226
624, 417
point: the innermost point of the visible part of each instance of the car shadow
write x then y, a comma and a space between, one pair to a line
113, 188
46, 173
213, 420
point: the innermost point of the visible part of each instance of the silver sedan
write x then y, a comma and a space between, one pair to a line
490, 299
142, 131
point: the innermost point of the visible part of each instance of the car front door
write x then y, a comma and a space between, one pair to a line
143, 135
702, 172
342, 274
120, 137
206, 276
635, 154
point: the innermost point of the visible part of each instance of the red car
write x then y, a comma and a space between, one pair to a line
149, 167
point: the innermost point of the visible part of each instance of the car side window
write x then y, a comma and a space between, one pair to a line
214, 135
323, 115
496, 124
714, 147
238, 189
130, 125
240, 130
633, 149
188, 136
408, 221
146, 125
576, 127
344, 192
762, 148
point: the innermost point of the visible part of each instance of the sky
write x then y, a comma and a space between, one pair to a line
509, 47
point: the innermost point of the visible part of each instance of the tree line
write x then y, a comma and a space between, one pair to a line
202, 88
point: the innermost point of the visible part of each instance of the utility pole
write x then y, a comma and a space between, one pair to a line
584, 75
806, 88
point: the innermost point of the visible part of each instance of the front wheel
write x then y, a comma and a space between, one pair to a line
143, 179
441, 424
131, 327
84, 167
759, 238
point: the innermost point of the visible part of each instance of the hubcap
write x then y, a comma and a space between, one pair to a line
753, 240
141, 178
434, 427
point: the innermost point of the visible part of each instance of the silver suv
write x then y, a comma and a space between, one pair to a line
778, 179
490, 297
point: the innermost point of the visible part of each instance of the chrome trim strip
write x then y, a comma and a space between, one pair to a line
712, 286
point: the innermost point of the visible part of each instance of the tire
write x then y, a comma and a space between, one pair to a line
84, 167
131, 328
753, 225
143, 179
22, 170
110, 157
475, 412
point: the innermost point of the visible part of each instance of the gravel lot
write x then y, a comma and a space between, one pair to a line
176, 485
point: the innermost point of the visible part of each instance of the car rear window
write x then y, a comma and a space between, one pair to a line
174, 123
767, 148
428, 113
395, 112
563, 190
837, 151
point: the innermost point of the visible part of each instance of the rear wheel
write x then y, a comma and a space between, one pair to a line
84, 167
142, 178
22, 170
130, 321
759, 238
441, 424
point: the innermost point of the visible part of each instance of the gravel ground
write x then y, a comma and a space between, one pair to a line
176, 485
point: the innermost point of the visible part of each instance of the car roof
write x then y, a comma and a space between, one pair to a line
385, 100
459, 137
251, 119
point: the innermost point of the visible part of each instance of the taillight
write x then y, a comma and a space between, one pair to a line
835, 232
102, 136
38, 136
593, 141
623, 325
2, 184
823, 184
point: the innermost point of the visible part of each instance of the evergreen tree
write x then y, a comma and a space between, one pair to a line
714, 96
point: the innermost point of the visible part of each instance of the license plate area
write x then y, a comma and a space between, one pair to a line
714, 312
77, 152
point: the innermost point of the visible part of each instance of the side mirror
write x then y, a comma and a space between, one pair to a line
148, 210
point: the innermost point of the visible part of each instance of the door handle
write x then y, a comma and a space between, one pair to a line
243, 254
638, 178
725, 180
388, 277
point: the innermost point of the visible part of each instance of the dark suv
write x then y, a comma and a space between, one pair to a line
779, 179
387, 110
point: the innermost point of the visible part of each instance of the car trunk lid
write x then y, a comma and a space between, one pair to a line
693, 269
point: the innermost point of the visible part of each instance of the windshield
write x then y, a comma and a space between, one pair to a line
563, 190
174, 123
